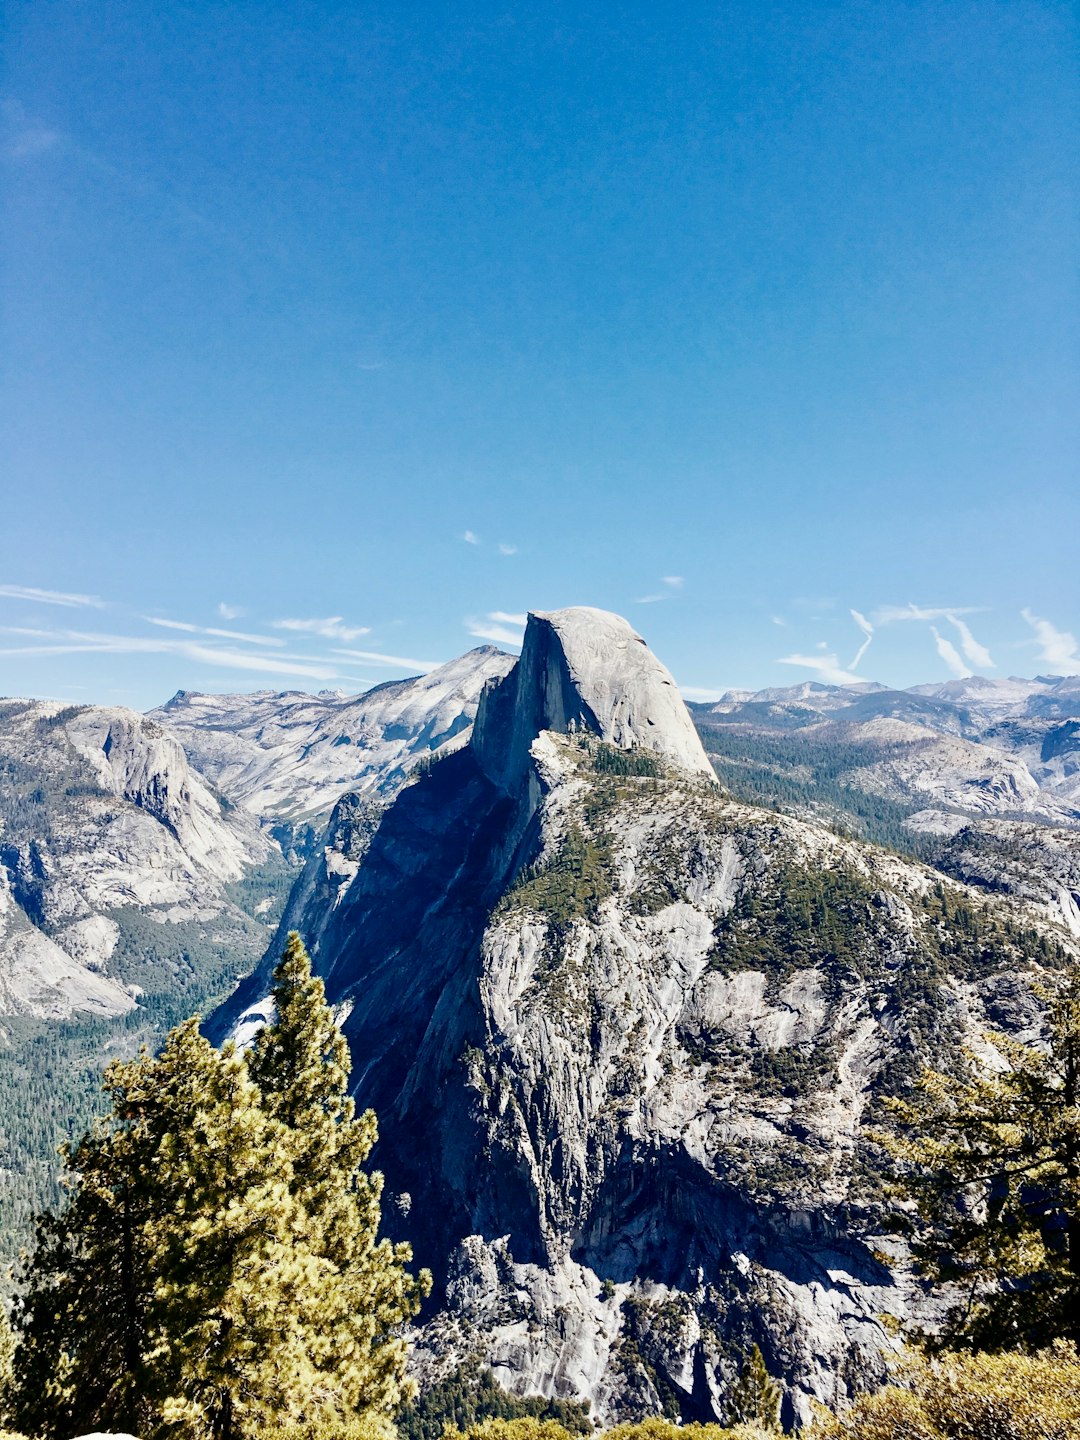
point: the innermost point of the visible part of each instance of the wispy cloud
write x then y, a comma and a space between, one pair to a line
470, 537
868, 631
702, 693
505, 549
779, 620
50, 597
673, 583
332, 628
826, 665
499, 626
949, 653
75, 642
210, 630
975, 653
25, 137
890, 614
230, 612
395, 662
1057, 648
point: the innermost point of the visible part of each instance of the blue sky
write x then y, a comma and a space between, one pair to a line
393, 321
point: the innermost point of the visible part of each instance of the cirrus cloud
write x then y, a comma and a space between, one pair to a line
394, 662
332, 628
949, 653
51, 597
1057, 648
827, 666
501, 627
243, 635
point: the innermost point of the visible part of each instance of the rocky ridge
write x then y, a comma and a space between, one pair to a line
1008, 747
290, 756
103, 824
624, 1033
948, 772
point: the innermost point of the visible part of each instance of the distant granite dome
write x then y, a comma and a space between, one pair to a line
584, 669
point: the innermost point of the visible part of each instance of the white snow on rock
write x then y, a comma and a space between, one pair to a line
253, 1019
106, 1435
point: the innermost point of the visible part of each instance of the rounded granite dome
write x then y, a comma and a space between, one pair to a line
585, 669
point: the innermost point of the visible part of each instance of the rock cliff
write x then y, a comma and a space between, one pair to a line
104, 826
624, 1036
583, 670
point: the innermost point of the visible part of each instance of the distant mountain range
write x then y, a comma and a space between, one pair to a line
624, 1026
145, 862
979, 777
289, 757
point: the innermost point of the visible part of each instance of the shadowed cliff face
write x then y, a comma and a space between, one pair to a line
622, 1036
447, 851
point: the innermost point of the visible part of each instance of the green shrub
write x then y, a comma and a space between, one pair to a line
970, 1397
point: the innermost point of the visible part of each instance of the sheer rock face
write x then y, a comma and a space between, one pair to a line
587, 670
581, 671
38, 977
628, 1144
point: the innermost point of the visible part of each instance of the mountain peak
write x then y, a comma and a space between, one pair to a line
584, 669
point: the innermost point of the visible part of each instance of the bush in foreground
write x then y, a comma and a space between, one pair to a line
1008, 1396
652, 1429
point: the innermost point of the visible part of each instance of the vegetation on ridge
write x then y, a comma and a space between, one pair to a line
992, 1159
470, 1396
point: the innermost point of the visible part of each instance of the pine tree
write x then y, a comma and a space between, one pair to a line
82, 1320
162, 1296
301, 1066
228, 1353
993, 1162
1014, 1396
755, 1396
187, 1290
